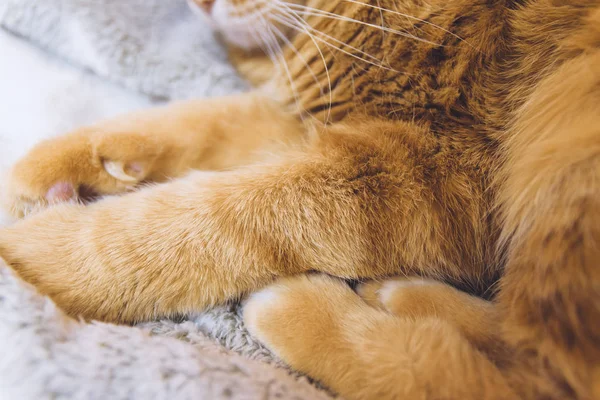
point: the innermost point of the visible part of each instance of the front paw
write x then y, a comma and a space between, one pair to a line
77, 167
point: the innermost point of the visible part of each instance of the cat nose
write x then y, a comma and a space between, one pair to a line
206, 5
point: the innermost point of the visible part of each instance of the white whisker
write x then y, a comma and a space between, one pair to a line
337, 41
306, 31
291, 46
316, 31
271, 41
275, 17
409, 17
326, 14
382, 20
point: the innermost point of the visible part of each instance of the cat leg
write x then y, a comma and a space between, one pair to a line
352, 205
416, 298
550, 198
320, 327
151, 145
184, 245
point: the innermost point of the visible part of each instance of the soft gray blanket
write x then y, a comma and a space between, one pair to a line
155, 47
160, 50
46, 355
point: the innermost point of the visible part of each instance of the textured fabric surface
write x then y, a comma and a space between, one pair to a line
46, 355
101, 58
156, 47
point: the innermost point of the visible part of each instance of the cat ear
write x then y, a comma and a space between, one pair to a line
128, 173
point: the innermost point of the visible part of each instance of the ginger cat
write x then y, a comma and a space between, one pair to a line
455, 143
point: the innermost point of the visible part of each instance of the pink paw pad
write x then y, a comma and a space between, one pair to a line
136, 168
61, 191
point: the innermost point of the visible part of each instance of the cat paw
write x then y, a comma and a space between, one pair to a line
295, 315
417, 298
77, 167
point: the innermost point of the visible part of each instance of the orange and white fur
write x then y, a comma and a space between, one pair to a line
421, 147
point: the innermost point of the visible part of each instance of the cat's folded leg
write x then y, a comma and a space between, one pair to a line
477, 319
114, 156
320, 327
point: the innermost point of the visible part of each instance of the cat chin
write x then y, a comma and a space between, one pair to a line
240, 38
219, 20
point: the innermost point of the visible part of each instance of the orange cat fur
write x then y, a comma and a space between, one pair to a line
458, 141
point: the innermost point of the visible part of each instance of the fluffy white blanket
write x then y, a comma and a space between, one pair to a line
66, 63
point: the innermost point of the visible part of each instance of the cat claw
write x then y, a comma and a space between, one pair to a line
116, 169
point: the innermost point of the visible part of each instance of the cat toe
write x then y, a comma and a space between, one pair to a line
61, 191
389, 293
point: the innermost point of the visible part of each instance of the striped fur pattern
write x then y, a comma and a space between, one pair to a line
445, 154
